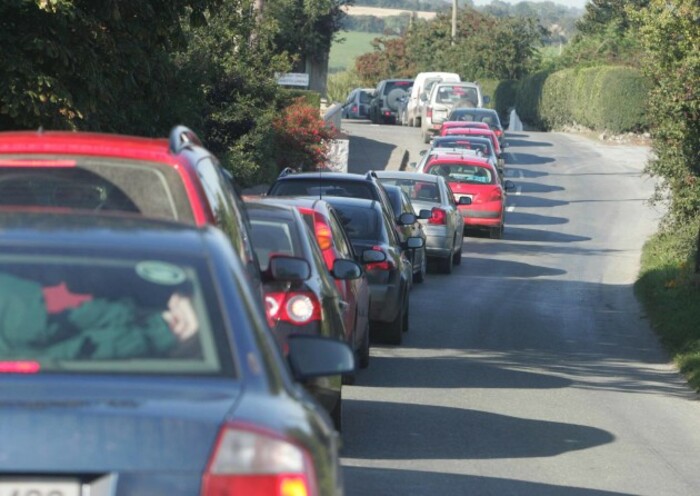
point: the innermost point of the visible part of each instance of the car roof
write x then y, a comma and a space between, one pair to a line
407, 175
354, 202
103, 232
257, 208
465, 160
342, 176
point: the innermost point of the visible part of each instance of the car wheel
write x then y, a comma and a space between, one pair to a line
457, 257
337, 415
496, 232
363, 352
394, 330
446, 264
419, 276
416, 122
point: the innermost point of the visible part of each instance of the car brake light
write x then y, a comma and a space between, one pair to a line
294, 307
247, 460
498, 132
385, 265
19, 367
429, 112
496, 195
36, 163
437, 216
324, 235
354, 108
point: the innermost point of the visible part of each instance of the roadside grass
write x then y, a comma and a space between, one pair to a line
351, 45
670, 292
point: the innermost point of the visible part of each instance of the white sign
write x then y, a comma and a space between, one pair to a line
293, 79
338, 155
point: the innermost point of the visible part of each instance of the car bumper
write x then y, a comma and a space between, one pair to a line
486, 216
439, 243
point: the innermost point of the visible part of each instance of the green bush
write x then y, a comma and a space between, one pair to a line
555, 108
529, 98
504, 97
622, 106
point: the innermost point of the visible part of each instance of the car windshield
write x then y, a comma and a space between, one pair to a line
362, 223
462, 173
273, 237
394, 195
98, 314
422, 191
323, 187
93, 183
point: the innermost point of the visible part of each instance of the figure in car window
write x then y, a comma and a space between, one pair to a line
52, 323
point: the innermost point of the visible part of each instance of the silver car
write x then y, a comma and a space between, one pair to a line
437, 211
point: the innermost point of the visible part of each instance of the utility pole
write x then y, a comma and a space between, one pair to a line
454, 21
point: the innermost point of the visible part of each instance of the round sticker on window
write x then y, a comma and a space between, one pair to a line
160, 272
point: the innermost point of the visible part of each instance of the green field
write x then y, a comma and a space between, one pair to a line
343, 53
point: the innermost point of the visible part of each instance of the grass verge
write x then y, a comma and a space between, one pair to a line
669, 289
351, 45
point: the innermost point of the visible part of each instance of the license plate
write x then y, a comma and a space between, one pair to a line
43, 487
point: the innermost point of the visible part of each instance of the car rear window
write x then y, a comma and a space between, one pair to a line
94, 314
390, 85
365, 97
462, 173
425, 191
362, 223
483, 147
273, 237
93, 183
324, 187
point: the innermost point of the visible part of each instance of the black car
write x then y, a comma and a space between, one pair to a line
135, 355
389, 272
310, 305
401, 204
356, 106
385, 102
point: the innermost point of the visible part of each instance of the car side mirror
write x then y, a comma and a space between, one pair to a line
373, 256
317, 356
423, 97
414, 243
407, 219
509, 185
289, 269
486, 99
346, 270
464, 200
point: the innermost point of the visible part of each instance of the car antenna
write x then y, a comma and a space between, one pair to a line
320, 184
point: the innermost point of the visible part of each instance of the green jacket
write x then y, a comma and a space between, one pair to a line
97, 329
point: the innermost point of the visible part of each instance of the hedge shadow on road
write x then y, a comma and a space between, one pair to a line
522, 219
367, 154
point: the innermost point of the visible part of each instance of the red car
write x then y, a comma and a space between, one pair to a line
463, 124
175, 178
325, 223
474, 131
478, 191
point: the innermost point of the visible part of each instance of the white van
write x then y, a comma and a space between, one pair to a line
443, 97
413, 108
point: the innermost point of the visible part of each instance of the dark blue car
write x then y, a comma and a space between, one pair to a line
135, 360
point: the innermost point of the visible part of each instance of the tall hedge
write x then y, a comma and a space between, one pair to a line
610, 98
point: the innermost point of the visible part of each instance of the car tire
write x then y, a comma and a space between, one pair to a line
419, 277
337, 415
496, 232
445, 264
394, 330
457, 257
363, 352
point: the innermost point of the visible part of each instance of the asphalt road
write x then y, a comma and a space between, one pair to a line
530, 370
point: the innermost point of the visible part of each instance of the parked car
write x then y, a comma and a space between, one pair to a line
401, 205
309, 305
443, 98
435, 206
476, 145
478, 190
389, 272
401, 114
385, 100
175, 179
485, 133
329, 184
422, 84
487, 116
462, 124
356, 106
323, 221
135, 356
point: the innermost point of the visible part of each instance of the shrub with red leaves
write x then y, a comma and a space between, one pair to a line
303, 139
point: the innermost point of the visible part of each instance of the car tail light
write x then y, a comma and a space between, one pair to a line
252, 462
354, 108
429, 112
496, 194
324, 235
294, 307
437, 216
385, 265
498, 132
19, 367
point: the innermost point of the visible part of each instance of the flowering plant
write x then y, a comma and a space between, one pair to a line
302, 137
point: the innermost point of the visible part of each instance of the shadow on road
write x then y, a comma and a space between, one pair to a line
530, 159
403, 431
366, 154
539, 235
481, 266
518, 172
527, 201
385, 481
512, 142
521, 218
539, 188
